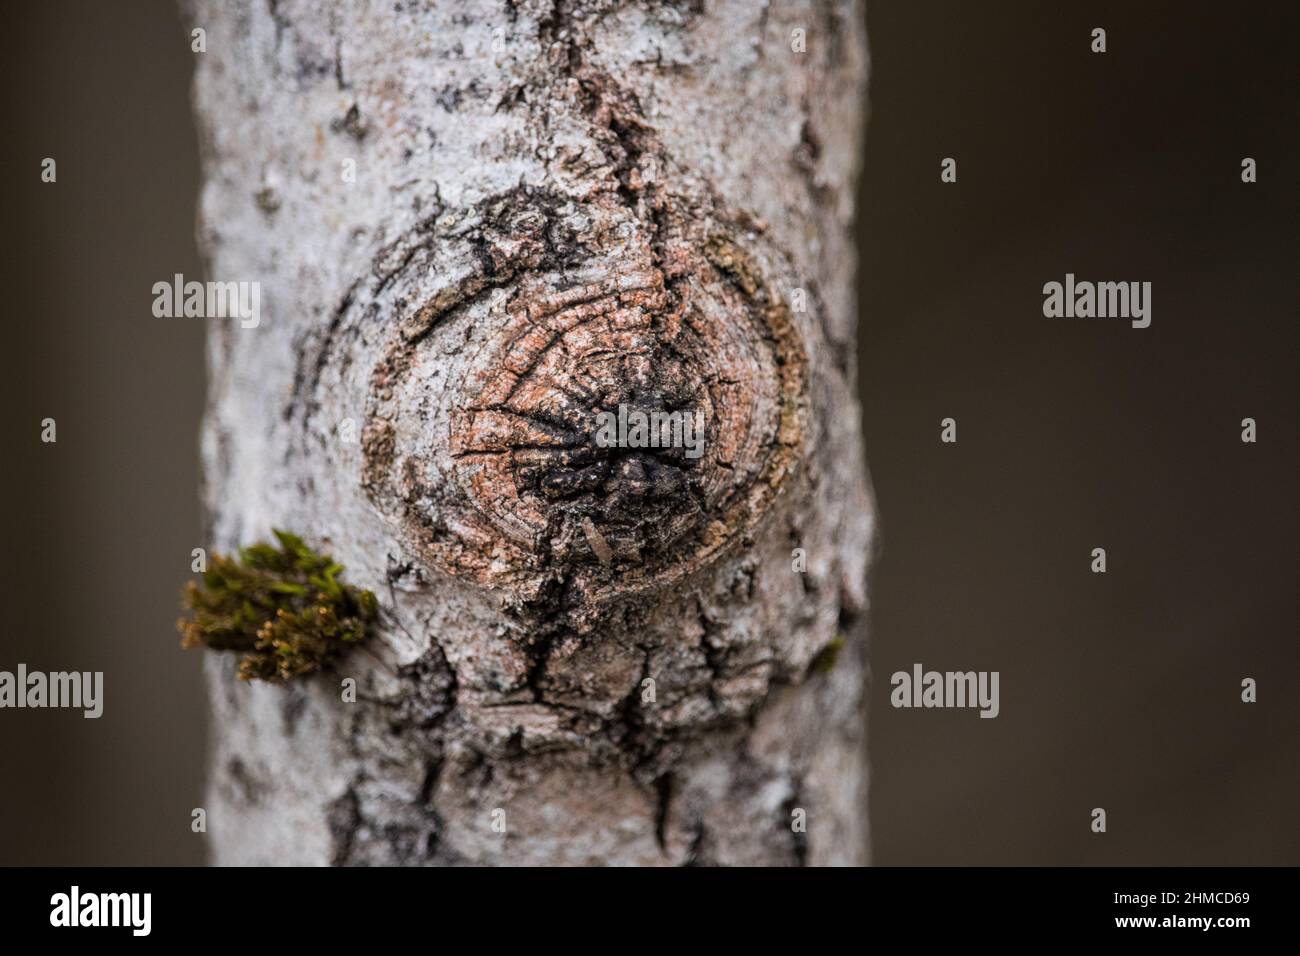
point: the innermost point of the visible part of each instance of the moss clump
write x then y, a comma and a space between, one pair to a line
284, 607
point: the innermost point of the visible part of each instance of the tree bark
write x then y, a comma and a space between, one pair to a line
475, 226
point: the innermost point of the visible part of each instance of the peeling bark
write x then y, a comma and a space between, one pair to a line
557, 209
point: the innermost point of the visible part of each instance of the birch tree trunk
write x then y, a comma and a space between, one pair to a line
475, 226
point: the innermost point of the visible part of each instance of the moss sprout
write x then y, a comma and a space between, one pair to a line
825, 660
284, 607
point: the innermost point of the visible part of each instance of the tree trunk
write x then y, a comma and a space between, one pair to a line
475, 226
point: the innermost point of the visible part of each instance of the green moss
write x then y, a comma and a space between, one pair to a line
826, 657
283, 607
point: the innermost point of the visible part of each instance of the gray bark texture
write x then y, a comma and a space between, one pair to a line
475, 225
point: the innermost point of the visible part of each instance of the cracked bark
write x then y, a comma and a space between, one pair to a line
557, 208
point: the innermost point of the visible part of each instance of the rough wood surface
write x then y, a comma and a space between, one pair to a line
589, 655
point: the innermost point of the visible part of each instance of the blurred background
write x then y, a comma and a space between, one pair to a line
1119, 690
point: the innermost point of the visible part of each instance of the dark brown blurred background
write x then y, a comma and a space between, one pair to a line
1118, 690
